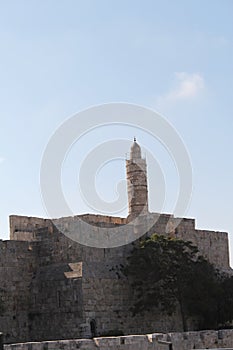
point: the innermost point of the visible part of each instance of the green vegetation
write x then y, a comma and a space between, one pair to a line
171, 275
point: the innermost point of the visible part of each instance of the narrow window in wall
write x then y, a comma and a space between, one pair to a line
93, 328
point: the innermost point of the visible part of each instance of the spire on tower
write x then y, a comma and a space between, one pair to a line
135, 151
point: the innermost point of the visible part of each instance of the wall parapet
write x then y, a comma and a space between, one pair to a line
131, 342
222, 339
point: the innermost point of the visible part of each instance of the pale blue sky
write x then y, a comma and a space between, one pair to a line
59, 57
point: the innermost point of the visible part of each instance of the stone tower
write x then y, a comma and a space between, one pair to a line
137, 182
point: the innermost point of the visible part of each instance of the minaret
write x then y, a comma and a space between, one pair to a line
137, 182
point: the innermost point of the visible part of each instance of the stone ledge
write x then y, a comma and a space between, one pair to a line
156, 341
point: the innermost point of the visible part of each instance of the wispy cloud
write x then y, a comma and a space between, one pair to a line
186, 86
1, 160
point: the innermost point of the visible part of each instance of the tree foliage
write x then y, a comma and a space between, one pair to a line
169, 273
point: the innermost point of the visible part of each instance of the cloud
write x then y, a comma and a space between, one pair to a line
186, 86
1, 160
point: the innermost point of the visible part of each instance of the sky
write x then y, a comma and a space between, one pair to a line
61, 57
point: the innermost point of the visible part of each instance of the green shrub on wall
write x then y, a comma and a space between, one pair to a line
170, 274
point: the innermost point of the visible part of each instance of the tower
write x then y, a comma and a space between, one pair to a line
136, 182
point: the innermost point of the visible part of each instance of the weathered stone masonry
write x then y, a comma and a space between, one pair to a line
156, 341
55, 288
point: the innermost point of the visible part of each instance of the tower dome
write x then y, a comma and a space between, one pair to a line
135, 151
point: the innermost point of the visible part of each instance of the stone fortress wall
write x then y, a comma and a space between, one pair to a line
17, 263
53, 287
56, 286
211, 244
157, 341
